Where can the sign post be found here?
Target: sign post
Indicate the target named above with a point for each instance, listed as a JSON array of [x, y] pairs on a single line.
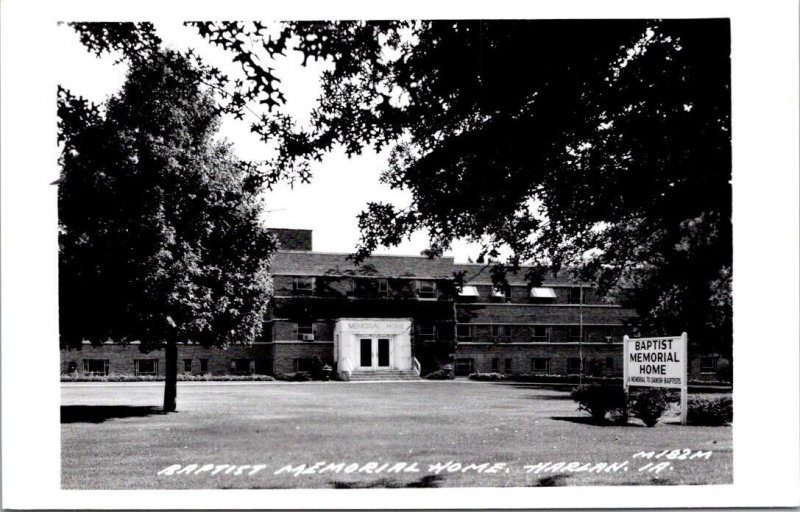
[[685, 386], [660, 362]]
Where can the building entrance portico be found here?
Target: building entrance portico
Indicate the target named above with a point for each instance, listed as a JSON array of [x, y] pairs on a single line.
[[371, 344]]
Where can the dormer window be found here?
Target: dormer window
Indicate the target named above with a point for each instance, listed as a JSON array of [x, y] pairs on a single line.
[[427, 290], [383, 287], [501, 293], [542, 294], [469, 291], [303, 285]]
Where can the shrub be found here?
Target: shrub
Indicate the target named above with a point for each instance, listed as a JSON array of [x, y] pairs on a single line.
[[316, 368], [599, 400], [487, 376], [724, 371], [160, 378], [295, 377], [562, 379], [439, 375], [649, 405], [710, 411]]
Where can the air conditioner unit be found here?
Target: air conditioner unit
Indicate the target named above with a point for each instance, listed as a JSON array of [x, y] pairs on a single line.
[[307, 337]]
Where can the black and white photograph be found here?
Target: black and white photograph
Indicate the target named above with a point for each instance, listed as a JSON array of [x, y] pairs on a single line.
[[404, 252]]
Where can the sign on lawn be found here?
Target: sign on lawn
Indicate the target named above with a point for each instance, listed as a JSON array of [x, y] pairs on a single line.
[[655, 362]]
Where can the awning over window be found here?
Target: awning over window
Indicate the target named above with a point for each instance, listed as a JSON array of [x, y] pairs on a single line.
[[468, 291], [543, 293]]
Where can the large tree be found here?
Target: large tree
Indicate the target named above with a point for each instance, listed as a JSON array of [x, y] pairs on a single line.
[[160, 237], [599, 147]]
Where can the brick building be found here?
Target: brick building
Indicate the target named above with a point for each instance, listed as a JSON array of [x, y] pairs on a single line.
[[400, 316]]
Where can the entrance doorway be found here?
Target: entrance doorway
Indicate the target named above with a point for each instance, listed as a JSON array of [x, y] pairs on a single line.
[[375, 353]]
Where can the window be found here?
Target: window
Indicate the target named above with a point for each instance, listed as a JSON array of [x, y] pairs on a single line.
[[367, 287], [495, 364], [463, 332], [501, 331], [426, 332], [242, 366], [427, 290], [383, 288], [540, 365], [573, 365], [305, 331], [539, 333], [501, 293], [464, 366], [610, 365], [203, 365], [354, 287], [303, 364], [145, 366], [575, 295], [708, 364], [574, 333], [508, 365], [95, 366], [187, 365], [303, 285]]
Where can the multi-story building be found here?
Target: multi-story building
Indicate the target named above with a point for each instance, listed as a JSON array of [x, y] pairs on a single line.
[[400, 316]]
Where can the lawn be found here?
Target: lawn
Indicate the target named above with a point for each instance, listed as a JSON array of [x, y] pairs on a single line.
[[114, 437]]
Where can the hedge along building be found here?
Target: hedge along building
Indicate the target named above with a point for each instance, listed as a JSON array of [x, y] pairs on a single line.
[[400, 317]]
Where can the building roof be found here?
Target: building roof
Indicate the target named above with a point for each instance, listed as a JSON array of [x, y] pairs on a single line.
[[324, 263], [307, 263], [480, 274]]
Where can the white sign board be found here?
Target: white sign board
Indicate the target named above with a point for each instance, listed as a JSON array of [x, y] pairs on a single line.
[[657, 362]]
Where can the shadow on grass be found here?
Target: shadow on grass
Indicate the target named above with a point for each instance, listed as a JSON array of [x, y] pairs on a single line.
[[677, 421], [566, 388], [425, 481], [653, 480], [560, 398], [101, 413], [552, 481], [588, 420], [580, 420]]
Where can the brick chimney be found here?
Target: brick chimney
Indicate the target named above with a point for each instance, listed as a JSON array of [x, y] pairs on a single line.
[[293, 239]]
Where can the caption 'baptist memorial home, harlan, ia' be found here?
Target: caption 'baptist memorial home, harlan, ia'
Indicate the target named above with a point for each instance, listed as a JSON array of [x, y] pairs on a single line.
[[399, 317]]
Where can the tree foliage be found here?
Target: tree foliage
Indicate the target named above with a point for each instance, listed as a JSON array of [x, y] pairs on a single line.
[[160, 237], [600, 147]]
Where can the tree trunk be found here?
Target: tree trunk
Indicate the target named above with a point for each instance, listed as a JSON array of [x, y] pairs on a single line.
[[171, 373]]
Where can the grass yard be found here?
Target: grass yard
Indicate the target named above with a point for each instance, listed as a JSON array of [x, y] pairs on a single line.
[[113, 437]]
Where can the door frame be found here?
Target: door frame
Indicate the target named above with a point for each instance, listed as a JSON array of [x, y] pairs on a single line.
[[375, 350]]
